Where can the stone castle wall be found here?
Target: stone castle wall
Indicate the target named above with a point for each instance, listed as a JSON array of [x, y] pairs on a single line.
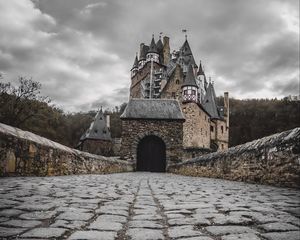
[[26, 154], [271, 160], [135, 130], [196, 128], [98, 147]]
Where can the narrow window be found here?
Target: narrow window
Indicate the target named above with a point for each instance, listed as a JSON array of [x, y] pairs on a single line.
[[177, 81], [211, 128], [222, 129], [173, 95]]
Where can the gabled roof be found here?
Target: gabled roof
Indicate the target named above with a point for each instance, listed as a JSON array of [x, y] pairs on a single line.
[[160, 109], [190, 78], [152, 47], [209, 102], [98, 129]]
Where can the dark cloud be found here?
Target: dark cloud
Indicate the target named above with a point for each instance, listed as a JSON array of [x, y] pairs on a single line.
[[82, 50]]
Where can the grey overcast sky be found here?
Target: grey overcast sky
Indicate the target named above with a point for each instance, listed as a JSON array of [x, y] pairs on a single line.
[[82, 50]]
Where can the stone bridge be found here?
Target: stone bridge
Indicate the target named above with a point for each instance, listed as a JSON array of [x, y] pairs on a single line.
[[140, 205]]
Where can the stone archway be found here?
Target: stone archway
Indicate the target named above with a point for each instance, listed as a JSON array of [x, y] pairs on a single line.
[[151, 154]]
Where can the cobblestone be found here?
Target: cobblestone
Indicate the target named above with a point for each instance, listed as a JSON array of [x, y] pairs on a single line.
[[134, 206]]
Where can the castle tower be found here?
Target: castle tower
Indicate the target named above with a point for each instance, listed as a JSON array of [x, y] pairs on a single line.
[[143, 52], [190, 87], [152, 54]]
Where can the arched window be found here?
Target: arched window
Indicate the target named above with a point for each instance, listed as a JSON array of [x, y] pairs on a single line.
[[177, 81]]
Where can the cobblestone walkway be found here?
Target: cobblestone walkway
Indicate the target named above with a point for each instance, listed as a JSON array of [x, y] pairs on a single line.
[[145, 206]]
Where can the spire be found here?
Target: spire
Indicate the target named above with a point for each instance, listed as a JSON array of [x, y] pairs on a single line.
[[186, 54], [152, 48], [159, 45], [135, 64], [190, 78], [200, 70], [209, 102]]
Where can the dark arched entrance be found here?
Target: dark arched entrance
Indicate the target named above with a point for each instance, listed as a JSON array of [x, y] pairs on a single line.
[[151, 155]]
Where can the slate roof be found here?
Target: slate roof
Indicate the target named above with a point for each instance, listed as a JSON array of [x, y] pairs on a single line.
[[186, 54], [159, 45], [167, 109], [152, 48], [98, 129], [200, 70], [209, 102], [135, 64], [144, 51], [190, 78]]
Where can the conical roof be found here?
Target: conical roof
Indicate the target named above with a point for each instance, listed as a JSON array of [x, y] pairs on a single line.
[[209, 102], [143, 52], [152, 48], [135, 64], [159, 45], [190, 78], [200, 70], [186, 54], [98, 129]]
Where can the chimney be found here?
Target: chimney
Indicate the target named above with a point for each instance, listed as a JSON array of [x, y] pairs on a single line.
[[108, 121], [226, 108], [166, 50]]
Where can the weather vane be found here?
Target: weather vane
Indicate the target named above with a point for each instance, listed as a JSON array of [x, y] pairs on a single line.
[[185, 31]]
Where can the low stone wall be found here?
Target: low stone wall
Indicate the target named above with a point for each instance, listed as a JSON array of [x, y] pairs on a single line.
[[26, 154], [271, 160]]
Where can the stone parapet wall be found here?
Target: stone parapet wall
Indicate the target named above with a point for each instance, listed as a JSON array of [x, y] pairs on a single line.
[[26, 154], [271, 160]]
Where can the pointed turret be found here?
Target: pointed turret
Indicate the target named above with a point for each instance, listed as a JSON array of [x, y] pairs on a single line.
[[186, 56], [134, 68], [190, 78], [152, 54], [135, 63], [190, 87], [159, 45], [210, 103], [200, 70], [152, 47], [98, 129]]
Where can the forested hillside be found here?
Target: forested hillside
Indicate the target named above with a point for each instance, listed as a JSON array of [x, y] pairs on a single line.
[[25, 108]]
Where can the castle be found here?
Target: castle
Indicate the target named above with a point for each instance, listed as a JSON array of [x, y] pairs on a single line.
[[170, 88], [172, 113]]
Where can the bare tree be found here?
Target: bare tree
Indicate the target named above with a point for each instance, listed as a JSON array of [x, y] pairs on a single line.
[[19, 104]]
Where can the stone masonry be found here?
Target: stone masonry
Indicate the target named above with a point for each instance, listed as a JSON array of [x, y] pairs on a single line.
[[170, 131], [24, 153], [145, 206], [271, 160]]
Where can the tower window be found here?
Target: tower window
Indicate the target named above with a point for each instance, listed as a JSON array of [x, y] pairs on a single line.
[[173, 95], [177, 81], [211, 128], [185, 92], [222, 129], [193, 92]]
